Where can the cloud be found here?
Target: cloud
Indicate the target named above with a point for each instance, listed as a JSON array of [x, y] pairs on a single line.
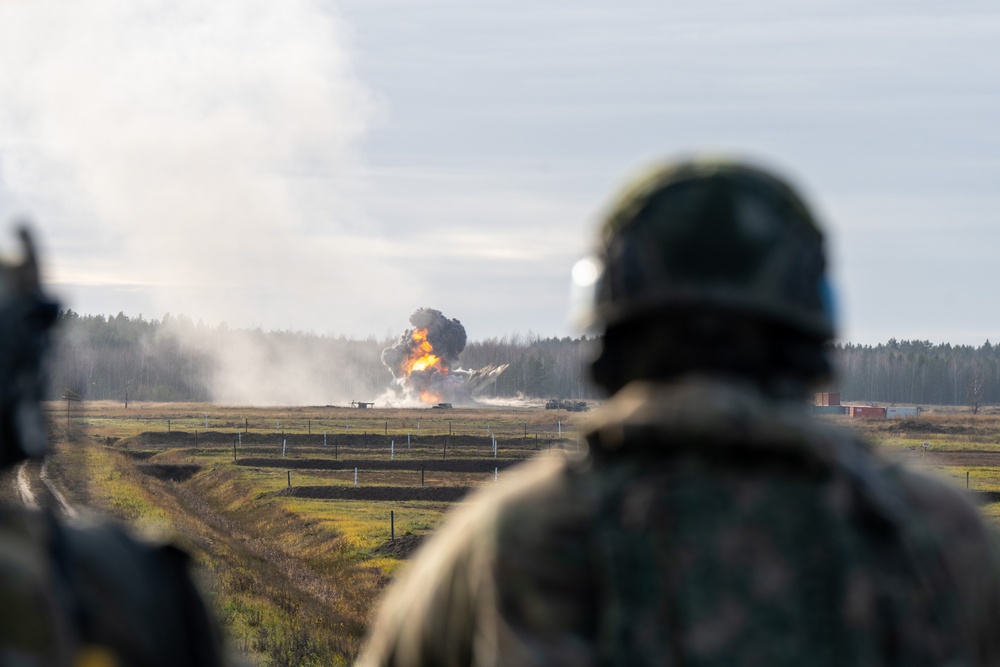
[[203, 149]]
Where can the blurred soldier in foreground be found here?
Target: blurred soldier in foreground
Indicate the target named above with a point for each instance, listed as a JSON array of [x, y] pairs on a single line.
[[712, 521], [83, 595]]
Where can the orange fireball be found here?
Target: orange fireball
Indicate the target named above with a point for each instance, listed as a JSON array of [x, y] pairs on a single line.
[[421, 357]]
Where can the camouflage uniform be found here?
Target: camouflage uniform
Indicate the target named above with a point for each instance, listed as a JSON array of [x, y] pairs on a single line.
[[87, 594], [712, 521], [708, 525]]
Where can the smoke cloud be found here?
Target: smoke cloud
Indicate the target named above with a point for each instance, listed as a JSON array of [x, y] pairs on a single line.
[[196, 158], [423, 359], [425, 365]]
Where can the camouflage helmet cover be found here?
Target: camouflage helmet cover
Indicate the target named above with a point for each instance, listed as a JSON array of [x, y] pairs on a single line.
[[709, 234]]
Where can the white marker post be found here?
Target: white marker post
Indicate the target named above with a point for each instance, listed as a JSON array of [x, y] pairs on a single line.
[[283, 444], [494, 447], [239, 436], [559, 425], [324, 438], [277, 425], [355, 477], [418, 426], [407, 440], [347, 425], [206, 421], [392, 450], [496, 475]]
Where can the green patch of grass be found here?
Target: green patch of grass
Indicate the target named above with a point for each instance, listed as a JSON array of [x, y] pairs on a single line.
[[364, 525]]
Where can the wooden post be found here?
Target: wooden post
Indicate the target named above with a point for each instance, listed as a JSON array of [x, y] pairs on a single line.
[[309, 426], [387, 428], [392, 525], [246, 424], [421, 475], [289, 479], [449, 427], [966, 479], [196, 437]]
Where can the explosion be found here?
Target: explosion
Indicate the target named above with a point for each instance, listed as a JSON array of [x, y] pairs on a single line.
[[424, 361]]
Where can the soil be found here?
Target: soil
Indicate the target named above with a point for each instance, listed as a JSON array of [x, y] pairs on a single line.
[[398, 493], [401, 547], [432, 465], [169, 472]]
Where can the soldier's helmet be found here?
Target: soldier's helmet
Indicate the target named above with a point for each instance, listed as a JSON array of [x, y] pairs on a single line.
[[26, 317], [709, 233]]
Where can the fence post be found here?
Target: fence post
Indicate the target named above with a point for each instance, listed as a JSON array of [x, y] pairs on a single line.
[[392, 525], [289, 479]]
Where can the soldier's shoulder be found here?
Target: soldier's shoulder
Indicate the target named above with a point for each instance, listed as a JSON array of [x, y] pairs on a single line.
[[524, 491], [949, 512]]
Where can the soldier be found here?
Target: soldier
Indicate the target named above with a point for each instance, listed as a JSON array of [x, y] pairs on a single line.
[[78, 595], [712, 522]]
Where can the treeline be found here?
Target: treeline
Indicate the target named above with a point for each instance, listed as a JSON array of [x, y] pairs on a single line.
[[176, 359], [918, 373]]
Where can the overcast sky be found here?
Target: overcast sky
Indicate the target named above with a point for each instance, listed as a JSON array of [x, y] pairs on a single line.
[[331, 166]]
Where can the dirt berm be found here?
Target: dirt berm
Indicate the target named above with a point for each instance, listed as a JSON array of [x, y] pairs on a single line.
[[437, 493], [431, 465]]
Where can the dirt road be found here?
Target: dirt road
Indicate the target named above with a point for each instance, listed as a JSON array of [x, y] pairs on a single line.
[[35, 489], [23, 486]]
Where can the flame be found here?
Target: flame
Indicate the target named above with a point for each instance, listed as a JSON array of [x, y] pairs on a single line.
[[422, 357]]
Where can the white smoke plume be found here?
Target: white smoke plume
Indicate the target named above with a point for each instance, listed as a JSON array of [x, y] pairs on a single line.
[[200, 152]]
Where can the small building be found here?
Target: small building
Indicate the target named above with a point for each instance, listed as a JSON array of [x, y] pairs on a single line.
[[828, 398], [866, 412], [902, 412]]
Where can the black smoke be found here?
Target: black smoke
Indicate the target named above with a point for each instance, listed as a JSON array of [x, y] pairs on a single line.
[[446, 337]]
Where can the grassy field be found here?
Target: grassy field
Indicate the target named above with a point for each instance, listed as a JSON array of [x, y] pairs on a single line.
[[295, 577]]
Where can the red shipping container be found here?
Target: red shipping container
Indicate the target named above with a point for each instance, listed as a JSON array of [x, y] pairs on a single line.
[[828, 398], [867, 412]]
